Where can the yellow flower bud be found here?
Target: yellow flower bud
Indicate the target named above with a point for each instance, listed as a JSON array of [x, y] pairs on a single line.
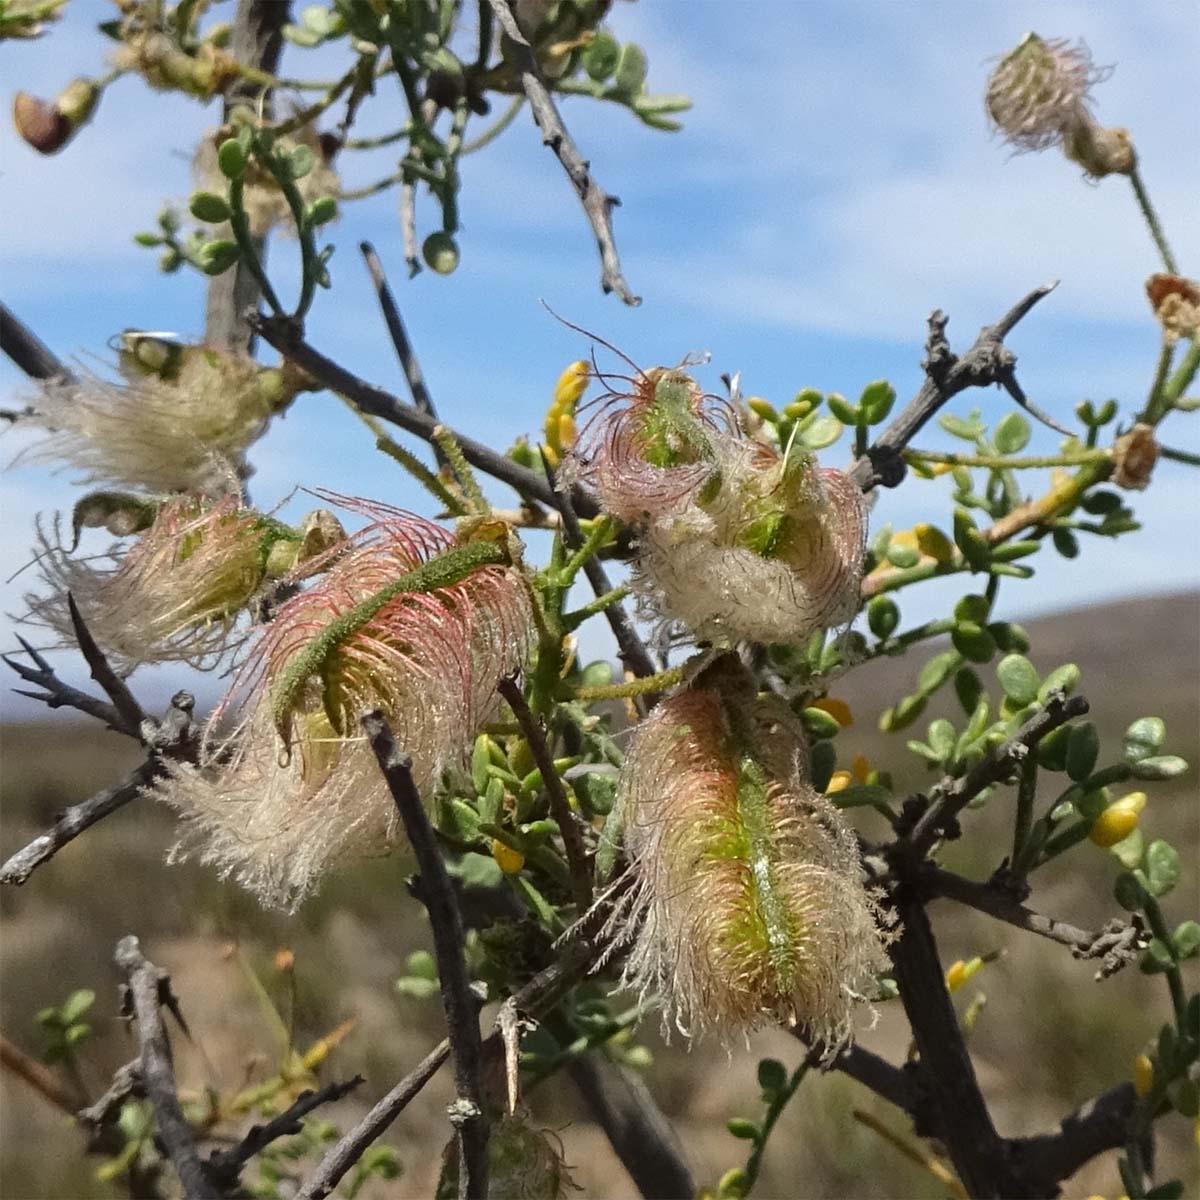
[[933, 542], [510, 861], [1143, 1075], [839, 781], [1118, 820], [839, 710], [959, 972], [860, 768], [762, 408], [572, 383]]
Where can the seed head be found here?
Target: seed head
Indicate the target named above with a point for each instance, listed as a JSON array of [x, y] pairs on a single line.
[[745, 901], [177, 593], [188, 432], [408, 620], [1039, 92]]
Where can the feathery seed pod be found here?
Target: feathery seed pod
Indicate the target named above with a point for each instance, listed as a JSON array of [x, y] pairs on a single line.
[[176, 594], [648, 450], [745, 901], [409, 619], [524, 1163], [183, 430], [772, 554]]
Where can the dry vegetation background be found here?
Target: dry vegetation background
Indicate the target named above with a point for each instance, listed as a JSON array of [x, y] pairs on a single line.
[[1048, 1038]]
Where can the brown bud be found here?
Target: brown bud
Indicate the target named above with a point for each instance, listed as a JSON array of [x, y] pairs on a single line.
[[1176, 303], [40, 123], [1134, 456]]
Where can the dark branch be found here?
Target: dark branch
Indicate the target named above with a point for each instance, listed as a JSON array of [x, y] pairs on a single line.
[[255, 40], [73, 821], [961, 1116], [894, 1084], [1118, 943], [62, 1094], [114, 686], [953, 795], [642, 1137], [988, 361], [399, 335], [560, 806], [225, 1166], [126, 1085], [1101, 1124], [367, 398], [147, 989], [28, 350], [462, 1018], [353, 1144], [597, 204], [56, 694], [169, 738]]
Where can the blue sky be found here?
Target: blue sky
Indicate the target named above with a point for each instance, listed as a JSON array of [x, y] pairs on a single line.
[[834, 183]]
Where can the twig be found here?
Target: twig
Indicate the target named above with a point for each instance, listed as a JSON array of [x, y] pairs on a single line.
[[1101, 1124], [953, 795], [1118, 943], [255, 41], [148, 988], [39, 1077], [56, 694], [28, 350], [597, 204], [73, 821], [635, 1126], [169, 738], [894, 1084], [374, 400], [987, 361], [963, 1123], [353, 1144], [114, 686], [560, 806], [397, 332], [126, 1084], [914, 1153], [224, 1166], [467, 1113]]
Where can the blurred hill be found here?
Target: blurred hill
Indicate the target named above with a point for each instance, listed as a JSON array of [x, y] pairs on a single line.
[[1048, 1038]]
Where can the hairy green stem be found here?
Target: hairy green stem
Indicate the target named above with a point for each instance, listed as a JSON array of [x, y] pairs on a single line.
[[1156, 229], [245, 242]]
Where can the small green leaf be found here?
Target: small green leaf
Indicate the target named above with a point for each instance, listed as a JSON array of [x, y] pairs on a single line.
[[1184, 1095], [1100, 504], [1018, 678], [1129, 892], [1157, 958], [1012, 433], [416, 989], [76, 1004], [1083, 748], [941, 738], [217, 257], [841, 408], [902, 556], [1130, 851], [1144, 738], [1186, 939], [1162, 867], [937, 670], [883, 616], [973, 608], [1011, 638], [231, 158], [631, 69], [209, 207], [876, 401], [898, 717], [1061, 679], [748, 1131], [862, 795], [321, 211], [300, 161], [969, 540], [819, 723], [1052, 749], [1066, 543], [1168, 766], [823, 432], [969, 430], [968, 687], [973, 642], [601, 55]]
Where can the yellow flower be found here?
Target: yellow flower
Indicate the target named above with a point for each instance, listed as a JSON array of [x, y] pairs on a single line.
[[860, 768], [959, 972], [839, 710], [1118, 820], [1143, 1075], [859, 773], [560, 416], [510, 861], [839, 781]]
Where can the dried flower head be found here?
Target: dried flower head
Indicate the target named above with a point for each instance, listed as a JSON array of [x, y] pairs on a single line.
[[187, 431], [48, 125], [266, 205], [1039, 91], [771, 550], [164, 65], [1134, 456], [1176, 304], [409, 620], [647, 450], [745, 903], [524, 1163], [176, 594]]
